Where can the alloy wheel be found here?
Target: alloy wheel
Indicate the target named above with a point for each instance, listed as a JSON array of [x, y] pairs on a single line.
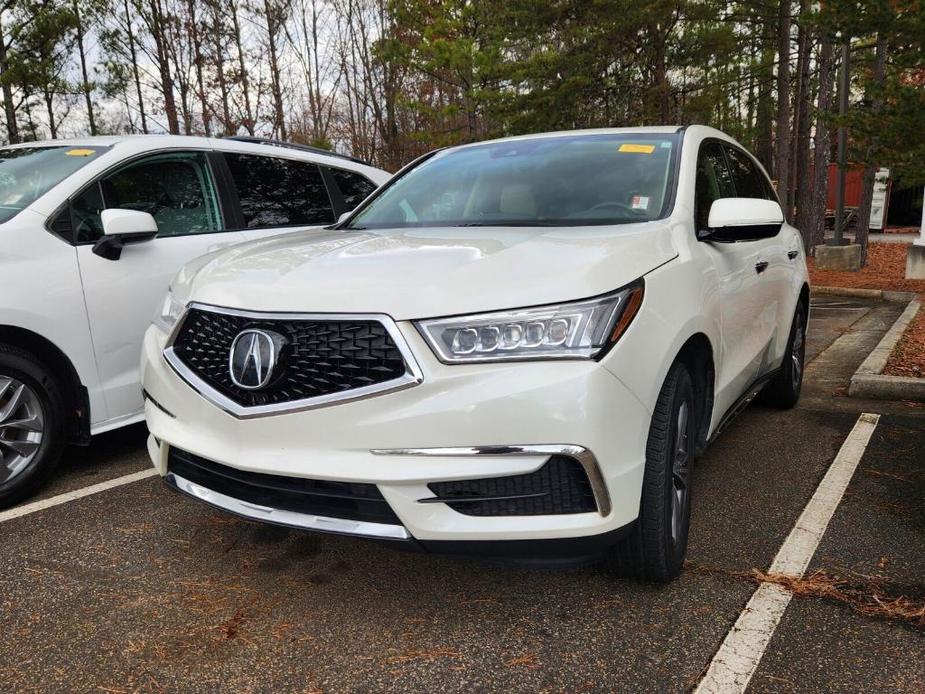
[[22, 426], [680, 472]]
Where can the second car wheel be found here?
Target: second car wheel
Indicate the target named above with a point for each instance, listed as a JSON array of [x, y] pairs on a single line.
[[655, 548], [32, 431]]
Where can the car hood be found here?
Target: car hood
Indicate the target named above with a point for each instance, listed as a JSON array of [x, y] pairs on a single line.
[[429, 272]]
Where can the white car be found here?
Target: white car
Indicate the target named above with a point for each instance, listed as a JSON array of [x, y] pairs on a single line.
[[91, 231], [513, 349]]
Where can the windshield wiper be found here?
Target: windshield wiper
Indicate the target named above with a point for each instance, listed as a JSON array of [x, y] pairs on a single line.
[[506, 224]]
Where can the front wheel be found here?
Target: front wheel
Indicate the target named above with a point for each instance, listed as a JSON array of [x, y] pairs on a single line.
[[655, 549], [32, 424]]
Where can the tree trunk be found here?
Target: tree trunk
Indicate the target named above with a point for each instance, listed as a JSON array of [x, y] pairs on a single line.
[[245, 82], [764, 144], [217, 31], [197, 58], [85, 85], [782, 156], [870, 169], [135, 74], [9, 109], [804, 124], [49, 97], [271, 12], [822, 144], [159, 34]]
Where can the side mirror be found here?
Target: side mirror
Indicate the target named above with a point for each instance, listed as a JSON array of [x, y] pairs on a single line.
[[344, 216], [123, 227], [742, 219]]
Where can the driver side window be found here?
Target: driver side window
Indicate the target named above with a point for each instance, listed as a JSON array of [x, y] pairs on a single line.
[[713, 182], [176, 188]]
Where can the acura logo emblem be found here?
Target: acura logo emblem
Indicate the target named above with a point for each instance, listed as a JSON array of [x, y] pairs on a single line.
[[253, 358]]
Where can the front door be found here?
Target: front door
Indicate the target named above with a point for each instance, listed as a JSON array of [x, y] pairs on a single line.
[[178, 189], [746, 300]]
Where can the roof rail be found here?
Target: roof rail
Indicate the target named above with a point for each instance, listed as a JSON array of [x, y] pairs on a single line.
[[253, 139]]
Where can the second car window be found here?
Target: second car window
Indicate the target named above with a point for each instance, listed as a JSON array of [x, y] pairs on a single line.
[[175, 188], [279, 192]]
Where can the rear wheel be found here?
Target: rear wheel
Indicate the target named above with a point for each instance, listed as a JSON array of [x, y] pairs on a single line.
[[655, 549], [32, 431], [784, 389]]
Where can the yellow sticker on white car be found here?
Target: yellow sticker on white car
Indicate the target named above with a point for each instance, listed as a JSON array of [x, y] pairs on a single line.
[[80, 152], [637, 149]]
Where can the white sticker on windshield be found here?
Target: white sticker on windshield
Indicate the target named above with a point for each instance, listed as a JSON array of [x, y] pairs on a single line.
[[640, 202]]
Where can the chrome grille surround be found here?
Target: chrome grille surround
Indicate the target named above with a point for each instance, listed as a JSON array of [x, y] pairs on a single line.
[[411, 377]]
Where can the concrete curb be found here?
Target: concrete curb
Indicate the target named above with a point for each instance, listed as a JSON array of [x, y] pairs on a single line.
[[869, 382], [884, 294]]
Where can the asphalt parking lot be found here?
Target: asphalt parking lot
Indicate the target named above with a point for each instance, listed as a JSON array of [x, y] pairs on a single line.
[[138, 589]]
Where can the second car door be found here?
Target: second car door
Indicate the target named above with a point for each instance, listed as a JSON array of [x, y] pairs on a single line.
[[178, 189]]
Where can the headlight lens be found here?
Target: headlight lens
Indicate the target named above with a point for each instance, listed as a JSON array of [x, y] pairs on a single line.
[[574, 330], [168, 313]]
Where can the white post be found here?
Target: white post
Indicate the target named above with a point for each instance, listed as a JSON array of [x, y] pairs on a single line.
[[920, 241]]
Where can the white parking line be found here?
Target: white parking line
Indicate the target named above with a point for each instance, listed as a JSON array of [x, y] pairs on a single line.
[[737, 658], [36, 506]]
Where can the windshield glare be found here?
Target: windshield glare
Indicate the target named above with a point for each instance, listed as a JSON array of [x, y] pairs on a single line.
[[575, 180], [27, 173]]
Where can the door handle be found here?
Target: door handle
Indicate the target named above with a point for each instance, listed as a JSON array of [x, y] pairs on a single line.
[[792, 254], [761, 266]]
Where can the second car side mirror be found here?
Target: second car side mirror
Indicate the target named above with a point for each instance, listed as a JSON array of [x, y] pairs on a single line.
[[742, 219], [121, 228], [344, 216]]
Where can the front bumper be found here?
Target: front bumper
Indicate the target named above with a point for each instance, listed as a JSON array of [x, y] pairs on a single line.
[[463, 422]]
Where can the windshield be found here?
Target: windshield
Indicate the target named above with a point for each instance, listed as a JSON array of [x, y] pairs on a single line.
[[573, 180], [26, 173]]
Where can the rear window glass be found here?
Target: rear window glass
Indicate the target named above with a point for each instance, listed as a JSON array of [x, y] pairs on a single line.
[[27, 173], [279, 192]]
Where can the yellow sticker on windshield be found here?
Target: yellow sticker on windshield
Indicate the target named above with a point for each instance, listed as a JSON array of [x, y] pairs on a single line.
[[80, 152], [638, 149]]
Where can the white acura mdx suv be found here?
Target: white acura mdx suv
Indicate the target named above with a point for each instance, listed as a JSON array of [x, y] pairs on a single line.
[[513, 349], [91, 231]]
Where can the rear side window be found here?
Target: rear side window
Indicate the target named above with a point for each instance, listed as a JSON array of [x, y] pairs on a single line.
[[353, 187], [279, 192], [714, 181], [749, 181]]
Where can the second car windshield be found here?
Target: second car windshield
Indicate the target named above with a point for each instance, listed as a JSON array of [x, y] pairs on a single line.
[[574, 180], [29, 172]]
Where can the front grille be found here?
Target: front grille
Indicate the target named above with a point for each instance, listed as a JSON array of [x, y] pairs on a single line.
[[560, 486], [317, 357], [348, 500]]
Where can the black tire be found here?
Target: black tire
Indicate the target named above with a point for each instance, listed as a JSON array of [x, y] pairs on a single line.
[[25, 370], [783, 391], [655, 548]]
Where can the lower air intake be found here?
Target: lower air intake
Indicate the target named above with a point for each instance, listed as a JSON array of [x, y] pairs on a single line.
[[560, 486]]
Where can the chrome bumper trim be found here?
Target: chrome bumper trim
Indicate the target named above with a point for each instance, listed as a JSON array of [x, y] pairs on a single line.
[[292, 519], [585, 457]]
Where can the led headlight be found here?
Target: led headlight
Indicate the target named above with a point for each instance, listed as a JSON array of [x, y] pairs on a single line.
[[168, 313], [574, 330]]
